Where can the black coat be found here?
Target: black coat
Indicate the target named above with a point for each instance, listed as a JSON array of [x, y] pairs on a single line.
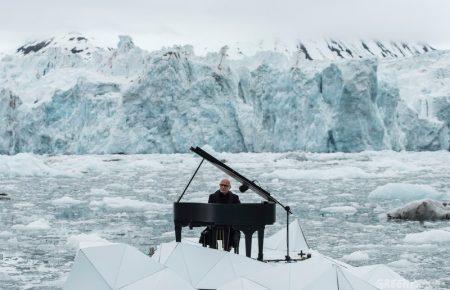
[[218, 197]]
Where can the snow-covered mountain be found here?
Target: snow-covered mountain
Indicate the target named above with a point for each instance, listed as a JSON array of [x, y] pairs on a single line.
[[338, 49], [68, 95], [72, 42]]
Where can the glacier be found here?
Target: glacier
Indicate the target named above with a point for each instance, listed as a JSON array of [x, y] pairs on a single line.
[[66, 95]]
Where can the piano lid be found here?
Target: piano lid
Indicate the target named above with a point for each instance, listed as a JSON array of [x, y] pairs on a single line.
[[236, 175]]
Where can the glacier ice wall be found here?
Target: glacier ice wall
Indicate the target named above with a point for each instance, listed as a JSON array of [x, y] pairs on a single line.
[[127, 100]]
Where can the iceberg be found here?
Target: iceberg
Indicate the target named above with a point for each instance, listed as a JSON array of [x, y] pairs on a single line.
[[421, 210]]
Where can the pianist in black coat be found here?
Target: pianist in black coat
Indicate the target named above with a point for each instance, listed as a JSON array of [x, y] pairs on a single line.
[[223, 195], [220, 197]]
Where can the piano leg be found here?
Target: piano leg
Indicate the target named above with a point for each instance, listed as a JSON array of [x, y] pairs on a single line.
[[178, 233], [226, 238], [260, 243], [213, 243], [248, 243]]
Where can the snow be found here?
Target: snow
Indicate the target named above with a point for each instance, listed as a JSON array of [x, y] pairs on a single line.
[[127, 100], [345, 49], [406, 192], [431, 236]]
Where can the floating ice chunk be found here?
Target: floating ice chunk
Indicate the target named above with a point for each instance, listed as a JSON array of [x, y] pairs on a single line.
[[66, 201], [24, 204], [298, 156], [357, 256], [146, 163], [101, 191], [393, 167], [40, 224], [425, 209], [331, 173], [347, 210], [86, 240], [431, 236], [406, 192], [5, 234], [128, 204], [403, 263], [25, 164]]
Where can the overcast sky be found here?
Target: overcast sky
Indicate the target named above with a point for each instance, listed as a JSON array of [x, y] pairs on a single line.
[[212, 23]]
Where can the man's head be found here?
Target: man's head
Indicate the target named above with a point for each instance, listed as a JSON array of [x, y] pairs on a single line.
[[224, 186]]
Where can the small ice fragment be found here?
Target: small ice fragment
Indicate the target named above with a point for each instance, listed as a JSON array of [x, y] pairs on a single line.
[[66, 201], [357, 256], [40, 224], [347, 210]]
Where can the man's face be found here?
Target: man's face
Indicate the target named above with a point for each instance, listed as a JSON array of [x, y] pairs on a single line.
[[224, 186]]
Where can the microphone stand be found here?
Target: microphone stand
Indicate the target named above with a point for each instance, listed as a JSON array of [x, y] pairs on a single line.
[[288, 212]]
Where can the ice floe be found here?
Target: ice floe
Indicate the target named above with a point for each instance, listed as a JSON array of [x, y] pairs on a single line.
[[86, 240], [347, 210], [25, 164], [66, 201], [121, 203], [40, 224], [330, 173], [431, 236], [357, 256], [406, 192]]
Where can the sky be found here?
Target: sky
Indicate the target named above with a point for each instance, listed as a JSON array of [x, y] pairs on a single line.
[[210, 24]]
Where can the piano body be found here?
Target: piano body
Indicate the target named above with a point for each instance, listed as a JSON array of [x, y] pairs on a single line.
[[246, 217]]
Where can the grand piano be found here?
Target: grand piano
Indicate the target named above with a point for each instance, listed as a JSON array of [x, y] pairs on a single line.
[[246, 217]]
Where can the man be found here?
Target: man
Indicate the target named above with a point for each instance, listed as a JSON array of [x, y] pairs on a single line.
[[225, 196]]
